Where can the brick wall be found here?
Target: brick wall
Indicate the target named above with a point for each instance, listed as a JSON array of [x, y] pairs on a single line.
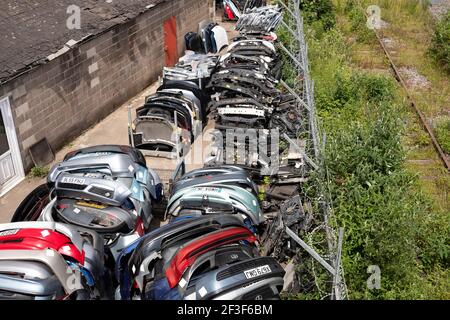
[[60, 99]]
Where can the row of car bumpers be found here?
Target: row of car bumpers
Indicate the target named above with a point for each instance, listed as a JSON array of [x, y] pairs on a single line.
[[209, 248], [167, 263], [99, 200]]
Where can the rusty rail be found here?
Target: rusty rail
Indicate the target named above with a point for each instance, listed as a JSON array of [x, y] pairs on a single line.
[[413, 104]]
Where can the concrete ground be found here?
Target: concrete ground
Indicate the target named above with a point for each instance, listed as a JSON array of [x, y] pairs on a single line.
[[113, 130]]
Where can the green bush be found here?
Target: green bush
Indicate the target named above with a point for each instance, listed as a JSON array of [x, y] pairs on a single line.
[[39, 172], [388, 221], [358, 22], [321, 11], [440, 44], [350, 89], [443, 135], [350, 5]]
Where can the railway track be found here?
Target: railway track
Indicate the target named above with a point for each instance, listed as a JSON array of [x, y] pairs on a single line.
[[413, 104]]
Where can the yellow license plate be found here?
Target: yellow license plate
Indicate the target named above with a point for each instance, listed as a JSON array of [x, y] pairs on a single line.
[[91, 205]]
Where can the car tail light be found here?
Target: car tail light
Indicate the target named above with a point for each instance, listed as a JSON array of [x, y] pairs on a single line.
[[41, 239], [140, 227], [187, 255], [229, 13]]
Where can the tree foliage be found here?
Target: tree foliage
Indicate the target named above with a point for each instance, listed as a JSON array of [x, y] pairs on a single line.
[[319, 11]]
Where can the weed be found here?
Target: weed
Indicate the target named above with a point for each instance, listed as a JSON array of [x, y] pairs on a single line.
[[443, 134], [358, 22], [388, 221], [39, 172], [440, 46], [319, 11]]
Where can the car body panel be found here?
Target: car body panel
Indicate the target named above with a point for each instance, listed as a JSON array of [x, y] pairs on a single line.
[[48, 257], [37, 281], [100, 190], [241, 199], [153, 242], [221, 37], [48, 216], [231, 279], [79, 244], [134, 153], [187, 254], [115, 165], [240, 179]]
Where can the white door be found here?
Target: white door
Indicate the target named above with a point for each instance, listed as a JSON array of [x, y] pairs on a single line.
[[11, 168]]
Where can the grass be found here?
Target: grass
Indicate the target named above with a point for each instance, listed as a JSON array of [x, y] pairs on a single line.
[[39, 172], [363, 55], [440, 43], [443, 134], [375, 152], [410, 27]]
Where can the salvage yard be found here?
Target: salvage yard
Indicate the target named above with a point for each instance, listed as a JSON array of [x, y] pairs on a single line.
[[111, 130], [206, 164], [225, 150]]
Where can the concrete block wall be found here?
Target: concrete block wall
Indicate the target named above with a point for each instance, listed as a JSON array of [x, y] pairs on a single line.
[[62, 98]]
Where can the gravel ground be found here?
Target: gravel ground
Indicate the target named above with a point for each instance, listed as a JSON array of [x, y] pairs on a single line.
[[413, 79], [389, 43], [439, 8]]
